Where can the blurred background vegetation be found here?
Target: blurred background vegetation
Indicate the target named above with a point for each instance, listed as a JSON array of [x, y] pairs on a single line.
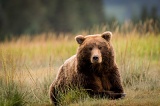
[[19, 17]]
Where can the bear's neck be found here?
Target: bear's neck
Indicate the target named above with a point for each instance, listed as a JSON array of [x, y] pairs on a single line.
[[86, 67]]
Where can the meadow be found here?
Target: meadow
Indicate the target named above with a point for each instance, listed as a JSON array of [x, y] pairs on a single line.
[[28, 65]]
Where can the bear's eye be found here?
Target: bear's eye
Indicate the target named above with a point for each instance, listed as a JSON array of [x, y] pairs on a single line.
[[100, 47], [90, 48]]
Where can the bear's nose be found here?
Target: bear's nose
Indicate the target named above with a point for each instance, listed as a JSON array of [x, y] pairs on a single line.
[[95, 58]]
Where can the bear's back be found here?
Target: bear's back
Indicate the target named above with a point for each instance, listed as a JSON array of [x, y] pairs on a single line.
[[68, 70]]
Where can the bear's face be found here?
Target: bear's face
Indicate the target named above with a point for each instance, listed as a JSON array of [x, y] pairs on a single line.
[[94, 48]]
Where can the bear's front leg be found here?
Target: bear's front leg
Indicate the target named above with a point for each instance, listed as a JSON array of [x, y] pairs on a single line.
[[112, 84], [116, 85], [113, 95], [106, 94]]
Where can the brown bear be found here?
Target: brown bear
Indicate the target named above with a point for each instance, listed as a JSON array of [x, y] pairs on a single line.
[[93, 68]]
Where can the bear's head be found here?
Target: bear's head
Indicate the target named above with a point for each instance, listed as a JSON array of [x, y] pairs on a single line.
[[95, 49]]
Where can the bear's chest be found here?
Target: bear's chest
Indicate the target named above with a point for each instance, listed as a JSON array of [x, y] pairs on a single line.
[[98, 83], [102, 82]]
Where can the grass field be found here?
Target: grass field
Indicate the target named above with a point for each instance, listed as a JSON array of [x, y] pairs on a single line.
[[28, 65]]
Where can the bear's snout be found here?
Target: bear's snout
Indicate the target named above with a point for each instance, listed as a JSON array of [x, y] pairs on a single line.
[[96, 56]]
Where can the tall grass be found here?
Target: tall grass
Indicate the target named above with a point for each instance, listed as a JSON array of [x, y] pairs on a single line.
[[11, 94], [28, 65]]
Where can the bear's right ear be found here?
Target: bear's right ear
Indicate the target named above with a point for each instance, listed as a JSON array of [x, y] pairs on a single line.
[[79, 39]]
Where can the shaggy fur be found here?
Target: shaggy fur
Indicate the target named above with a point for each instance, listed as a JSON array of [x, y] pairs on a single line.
[[92, 68]]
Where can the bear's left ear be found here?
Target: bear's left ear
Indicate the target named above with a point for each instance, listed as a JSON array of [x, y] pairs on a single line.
[[107, 35], [79, 39]]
